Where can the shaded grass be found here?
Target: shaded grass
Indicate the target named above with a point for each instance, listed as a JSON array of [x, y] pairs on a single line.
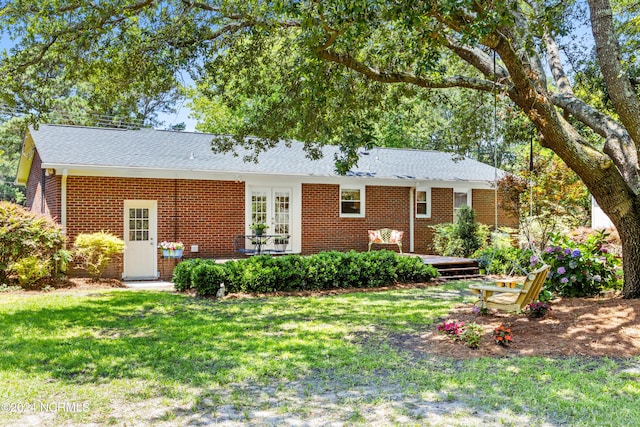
[[116, 348]]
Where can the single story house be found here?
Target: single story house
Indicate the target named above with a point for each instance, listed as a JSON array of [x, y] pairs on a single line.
[[148, 186]]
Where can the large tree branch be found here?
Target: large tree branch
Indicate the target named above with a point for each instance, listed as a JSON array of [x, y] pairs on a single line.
[[478, 59], [618, 144], [402, 77], [555, 64], [619, 87]]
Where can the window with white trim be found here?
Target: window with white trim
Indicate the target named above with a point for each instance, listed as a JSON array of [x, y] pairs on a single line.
[[460, 198], [352, 201], [423, 202]]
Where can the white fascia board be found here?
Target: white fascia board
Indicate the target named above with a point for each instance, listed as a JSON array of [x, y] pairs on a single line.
[[207, 175]]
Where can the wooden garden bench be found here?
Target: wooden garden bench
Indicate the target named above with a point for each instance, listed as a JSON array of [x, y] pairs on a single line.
[[512, 299], [386, 236]]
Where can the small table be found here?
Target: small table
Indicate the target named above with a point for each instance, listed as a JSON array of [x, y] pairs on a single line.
[[253, 244], [510, 282]]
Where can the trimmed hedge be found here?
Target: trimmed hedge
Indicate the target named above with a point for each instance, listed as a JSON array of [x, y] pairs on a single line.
[[326, 270]]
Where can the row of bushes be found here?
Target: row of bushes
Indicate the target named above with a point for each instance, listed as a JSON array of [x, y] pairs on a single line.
[[326, 270], [32, 248]]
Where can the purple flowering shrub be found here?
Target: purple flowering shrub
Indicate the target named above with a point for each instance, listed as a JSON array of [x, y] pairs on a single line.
[[580, 269]]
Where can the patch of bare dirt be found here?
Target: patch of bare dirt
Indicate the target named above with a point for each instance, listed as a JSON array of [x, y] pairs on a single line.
[[598, 327]]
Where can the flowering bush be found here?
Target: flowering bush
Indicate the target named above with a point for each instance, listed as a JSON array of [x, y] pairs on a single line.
[[172, 246], [580, 269], [470, 334], [537, 309], [502, 335], [453, 330]]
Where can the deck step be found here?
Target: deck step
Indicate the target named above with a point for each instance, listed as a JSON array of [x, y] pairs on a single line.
[[462, 277], [458, 271]]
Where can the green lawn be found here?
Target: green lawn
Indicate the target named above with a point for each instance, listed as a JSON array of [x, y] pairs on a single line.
[[153, 357]]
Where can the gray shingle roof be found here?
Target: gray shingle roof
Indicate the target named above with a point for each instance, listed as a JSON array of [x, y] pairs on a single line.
[[156, 149]]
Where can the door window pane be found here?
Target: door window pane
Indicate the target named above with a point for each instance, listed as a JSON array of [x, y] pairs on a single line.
[[258, 207], [139, 227]]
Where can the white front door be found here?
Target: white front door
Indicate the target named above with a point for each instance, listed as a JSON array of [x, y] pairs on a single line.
[[272, 206], [140, 237]]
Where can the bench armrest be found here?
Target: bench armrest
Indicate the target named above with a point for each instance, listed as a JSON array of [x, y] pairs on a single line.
[[495, 289]]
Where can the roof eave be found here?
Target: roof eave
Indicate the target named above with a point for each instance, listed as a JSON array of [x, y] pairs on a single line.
[[26, 160]]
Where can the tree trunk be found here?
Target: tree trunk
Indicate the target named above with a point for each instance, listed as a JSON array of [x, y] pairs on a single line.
[[629, 231]]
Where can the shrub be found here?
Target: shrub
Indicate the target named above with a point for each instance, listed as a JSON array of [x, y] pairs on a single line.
[[24, 234], [95, 250], [461, 238], [580, 269], [412, 269], [326, 270], [207, 278], [30, 270], [503, 260], [182, 274]]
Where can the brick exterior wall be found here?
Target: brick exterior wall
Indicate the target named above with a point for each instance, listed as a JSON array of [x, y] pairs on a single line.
[[386, 207], [204, 213], [441, 211], [323, 229], [484, 205], [50, 204]]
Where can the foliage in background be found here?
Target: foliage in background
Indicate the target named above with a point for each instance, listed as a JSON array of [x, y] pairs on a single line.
[[461, 238], [94, 251], [11, 135], [326, 270], [495, 260], [580, 269], [611, 243], [560, 200], [30, 246]]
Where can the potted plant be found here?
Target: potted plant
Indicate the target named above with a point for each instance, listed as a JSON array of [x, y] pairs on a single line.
[[171, 249], [258, 228]]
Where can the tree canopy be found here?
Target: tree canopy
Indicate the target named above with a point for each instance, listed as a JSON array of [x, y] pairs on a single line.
[[333, 71]]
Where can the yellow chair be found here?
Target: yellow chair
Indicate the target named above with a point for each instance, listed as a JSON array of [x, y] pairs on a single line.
[[512, 299]]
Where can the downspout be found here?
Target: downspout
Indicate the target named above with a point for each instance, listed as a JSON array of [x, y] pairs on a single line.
[[175, 209], [43, 177], [412, 192], [63, 201]]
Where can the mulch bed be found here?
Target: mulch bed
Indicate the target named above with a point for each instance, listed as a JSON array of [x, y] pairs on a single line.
[[598, 327]]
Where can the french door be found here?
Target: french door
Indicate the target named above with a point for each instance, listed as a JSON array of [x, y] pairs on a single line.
[[272, 206]]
